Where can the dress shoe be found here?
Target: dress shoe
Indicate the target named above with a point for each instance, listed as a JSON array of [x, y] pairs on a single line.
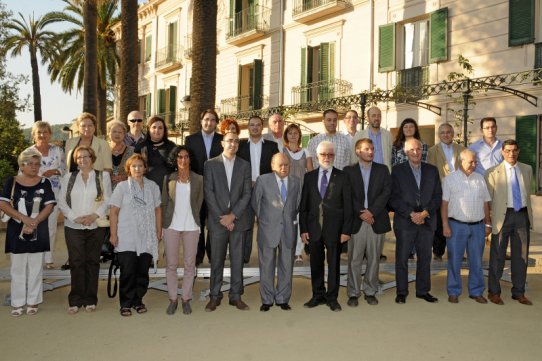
[[172, 307], [352, 302], [436, 257], [239, 304], [495, 298], [313, 302], [428, 297], [401, 299], [284, 306], [213, 304], [371, 300], [453, 299], [334, 306], [265, 307], [479, 299], [523, 300], [383, 258], [186, 308]]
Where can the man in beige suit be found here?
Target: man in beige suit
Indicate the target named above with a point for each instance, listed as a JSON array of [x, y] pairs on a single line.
[[509, 185], [381, 139], [445, 156]]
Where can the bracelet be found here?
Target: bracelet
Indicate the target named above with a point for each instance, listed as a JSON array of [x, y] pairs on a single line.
[[489, 226]]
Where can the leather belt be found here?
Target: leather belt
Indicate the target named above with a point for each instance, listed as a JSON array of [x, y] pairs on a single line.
[[467, 223]]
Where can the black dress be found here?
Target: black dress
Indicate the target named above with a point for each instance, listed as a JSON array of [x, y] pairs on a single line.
[[28, 243]]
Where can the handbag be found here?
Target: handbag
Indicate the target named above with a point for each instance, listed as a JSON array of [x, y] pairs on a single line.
[[104, 220], [113, 268], [3, 216]]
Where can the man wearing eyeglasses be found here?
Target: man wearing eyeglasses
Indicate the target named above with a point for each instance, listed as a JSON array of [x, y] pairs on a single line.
[[135, 135], [487, 149], [350, 122]]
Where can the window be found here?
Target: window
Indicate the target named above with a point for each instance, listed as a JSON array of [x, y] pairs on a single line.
[[148, 48], [167, 100], [144, 103], [415, 44], [172, 41], [250, 86], [521, 19], [528, 136], [317, 72]]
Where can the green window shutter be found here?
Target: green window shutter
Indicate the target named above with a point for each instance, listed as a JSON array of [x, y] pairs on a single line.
[[239, 87], [172, 106], [305, 140], [161, 101], [148, 48], [172, 41], [521, 18], [148, 105], [258, 84], [526, 137], [438, 48], [386, 48], [324, 72], [303, 82]]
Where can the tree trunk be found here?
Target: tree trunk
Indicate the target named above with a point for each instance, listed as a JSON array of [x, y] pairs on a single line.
[[36, 93], [203, 83], [101, 110], [90, 71], [128, 59]]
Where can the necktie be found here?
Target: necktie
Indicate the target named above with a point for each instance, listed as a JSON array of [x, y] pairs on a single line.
[[283, 191], [323, 184], [516, 190]]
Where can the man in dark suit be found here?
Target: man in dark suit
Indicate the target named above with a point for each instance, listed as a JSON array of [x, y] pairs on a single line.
[[370, 185], [227, 189], [204, 145], [258, 152], [275, 201], [416, 196], [325, 223]]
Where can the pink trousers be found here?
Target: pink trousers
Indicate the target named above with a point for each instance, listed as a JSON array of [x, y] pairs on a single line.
[[172, 241]]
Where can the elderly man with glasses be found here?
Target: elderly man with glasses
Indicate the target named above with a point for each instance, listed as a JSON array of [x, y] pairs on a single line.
[[135, 135]]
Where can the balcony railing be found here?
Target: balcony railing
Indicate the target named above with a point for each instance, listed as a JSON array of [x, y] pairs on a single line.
[[247, 24], [321, 90], [243, 103], [305, 10], [410, 82], [188, 46], [169, 57]]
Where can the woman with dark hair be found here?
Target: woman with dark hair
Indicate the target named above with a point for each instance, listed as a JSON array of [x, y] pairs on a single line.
[[119, 150], [407, 130], [182, 197], [156, 150], [229, 125]]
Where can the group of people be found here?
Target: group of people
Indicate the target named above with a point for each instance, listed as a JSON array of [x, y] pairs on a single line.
[[335, 196]]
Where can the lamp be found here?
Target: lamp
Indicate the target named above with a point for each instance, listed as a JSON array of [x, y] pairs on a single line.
[[186, 101], [68, 130]]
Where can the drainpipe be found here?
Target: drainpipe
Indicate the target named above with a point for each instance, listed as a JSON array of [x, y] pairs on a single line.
[[281, 62]]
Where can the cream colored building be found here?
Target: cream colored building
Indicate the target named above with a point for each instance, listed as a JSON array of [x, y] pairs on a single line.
[[273, 53]]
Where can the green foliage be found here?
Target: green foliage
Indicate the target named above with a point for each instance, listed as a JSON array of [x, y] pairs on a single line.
[[456, 108]]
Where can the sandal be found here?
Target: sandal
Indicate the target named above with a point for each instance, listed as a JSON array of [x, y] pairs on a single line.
[[31, 310], [125, 312], [140, 308], [16, 312], [73, 310], [50, 266]]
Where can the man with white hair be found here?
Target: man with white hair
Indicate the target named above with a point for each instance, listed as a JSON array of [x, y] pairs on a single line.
[[275, 130]]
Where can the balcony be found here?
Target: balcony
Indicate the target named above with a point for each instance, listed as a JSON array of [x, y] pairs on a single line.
[[321, 90], [245, 103], [248, 24], [168, 58], [188, 46], [307, 10], [410, 81]]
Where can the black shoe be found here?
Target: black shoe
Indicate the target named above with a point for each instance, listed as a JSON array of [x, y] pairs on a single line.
[[315, 301], [65, 266], [383, 258], [411, 256], [401, 299], [428, 297], [352, 302], [199, 261], [371, 300], [265, 307], [334, 306], [436, 257], [284, 306]]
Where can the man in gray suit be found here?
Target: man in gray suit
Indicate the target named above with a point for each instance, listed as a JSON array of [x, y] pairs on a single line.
[[228, 198], [275, 201]]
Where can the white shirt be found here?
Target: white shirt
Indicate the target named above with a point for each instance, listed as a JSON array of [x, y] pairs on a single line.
[[228, 165], [255, 157], [183, 220], [465, 196], [448, 151], [510, 199]]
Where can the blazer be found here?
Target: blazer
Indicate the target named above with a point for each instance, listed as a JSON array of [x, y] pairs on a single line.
[[276, 220], [436, 157], [386, 145], [169, 189], [378, 195], [498, 190], [197, 146], [269, 148], [221, 200], [406, 198], [104, 159], [334, 211]]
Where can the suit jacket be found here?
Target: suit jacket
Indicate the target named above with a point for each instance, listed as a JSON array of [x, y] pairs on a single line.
[[378, 195], [169, 191], [386, 145], [436, 157], [268, 149], [221, 200], [197, 146], [334, 211], [497, 184], [276, 220], [406, 197]]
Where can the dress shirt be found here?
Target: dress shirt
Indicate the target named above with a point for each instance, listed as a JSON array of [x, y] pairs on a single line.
[[348, 135], [448, 150], [255, 157], [279, 182], [183, 220], [510, 199], [417, 171], [342, 149], [465, 196], [377, 143], [366, 175], [321, 173], [228, 165], [208, 141], [486, 156]]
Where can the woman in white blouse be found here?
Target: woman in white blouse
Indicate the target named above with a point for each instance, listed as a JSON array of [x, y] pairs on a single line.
[[84, 197], [182, 196], [136, 226]]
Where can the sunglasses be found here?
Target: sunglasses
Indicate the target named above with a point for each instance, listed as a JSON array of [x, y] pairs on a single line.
[[135, 120]]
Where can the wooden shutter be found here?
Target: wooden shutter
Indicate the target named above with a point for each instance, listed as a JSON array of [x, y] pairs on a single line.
[[327, 63], [386, 48], [172, 107], [148, 105], [303, 82], [257, 88], [239, 88], [521, 18], [161, 101], [526, 138], [148, 48], [438, 48], [172, 41]]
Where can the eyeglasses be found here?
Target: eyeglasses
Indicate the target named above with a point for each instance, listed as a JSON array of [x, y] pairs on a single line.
[[135, 120], [326, 155]]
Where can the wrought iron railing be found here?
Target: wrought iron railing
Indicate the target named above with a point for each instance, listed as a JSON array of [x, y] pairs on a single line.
[[300, 6], [254, 17], [411, 80], [168, 55], [245, 103], [321, 90]]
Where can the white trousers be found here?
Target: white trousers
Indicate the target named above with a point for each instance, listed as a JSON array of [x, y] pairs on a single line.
[[26, 279], [52, 222]]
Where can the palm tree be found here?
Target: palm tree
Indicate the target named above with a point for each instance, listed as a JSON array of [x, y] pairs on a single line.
[[203, 83], [129, 55], [90, 87], [32, 34], [69, 64]]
